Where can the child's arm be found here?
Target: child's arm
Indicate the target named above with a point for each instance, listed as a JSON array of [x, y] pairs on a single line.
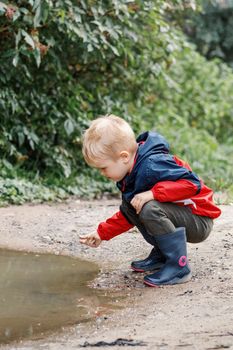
[[165, 191], [170, 191], [113, 226], [92, 239]]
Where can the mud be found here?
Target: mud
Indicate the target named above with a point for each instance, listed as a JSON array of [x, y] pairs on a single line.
[[195, 315]]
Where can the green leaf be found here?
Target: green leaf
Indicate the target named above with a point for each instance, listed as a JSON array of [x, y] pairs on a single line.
[[28, 39], [69, 126], [16, 15], [21, 138], [37, 56], [7, 164], [31, 143], [15, 60], [36, 4], [18, 37], [2, 7], [90, 48], [24, 10], [115, 51], [38, 15]]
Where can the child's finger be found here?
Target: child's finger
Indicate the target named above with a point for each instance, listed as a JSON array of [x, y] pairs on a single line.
[[88, 243], [94, 242], [83, 236], [84, 240], [91, 244]]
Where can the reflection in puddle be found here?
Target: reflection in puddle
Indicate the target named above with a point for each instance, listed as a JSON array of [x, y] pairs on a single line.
[[41, 292]]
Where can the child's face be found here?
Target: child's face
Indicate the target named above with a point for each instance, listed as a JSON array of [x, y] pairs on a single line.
[[115, 170]]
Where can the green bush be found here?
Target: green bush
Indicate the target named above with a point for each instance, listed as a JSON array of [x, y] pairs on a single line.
[[198, 91], [63, 63], [193, 107], [211, 29]]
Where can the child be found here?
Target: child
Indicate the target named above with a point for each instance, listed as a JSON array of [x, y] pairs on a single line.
[[161, 196]]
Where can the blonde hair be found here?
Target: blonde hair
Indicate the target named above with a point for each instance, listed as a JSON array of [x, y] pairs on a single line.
[[106, 138]]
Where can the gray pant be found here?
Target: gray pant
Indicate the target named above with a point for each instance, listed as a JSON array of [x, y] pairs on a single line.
[[158, 218]]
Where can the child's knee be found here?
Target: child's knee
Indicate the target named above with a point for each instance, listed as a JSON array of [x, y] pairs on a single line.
[[197, 237], [150, 210]]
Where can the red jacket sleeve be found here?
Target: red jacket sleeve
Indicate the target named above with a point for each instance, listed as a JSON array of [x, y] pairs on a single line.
[[170, 191], [113, 226]]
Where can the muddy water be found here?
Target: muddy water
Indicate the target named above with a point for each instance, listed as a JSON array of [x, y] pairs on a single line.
[[40, 292]]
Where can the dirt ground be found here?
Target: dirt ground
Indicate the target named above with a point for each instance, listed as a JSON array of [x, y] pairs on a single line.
[[195, 315]]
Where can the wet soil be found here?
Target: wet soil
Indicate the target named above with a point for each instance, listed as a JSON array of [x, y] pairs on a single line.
[[195, 315]]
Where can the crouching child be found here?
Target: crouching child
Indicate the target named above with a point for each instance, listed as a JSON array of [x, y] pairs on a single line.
[[161, 195]]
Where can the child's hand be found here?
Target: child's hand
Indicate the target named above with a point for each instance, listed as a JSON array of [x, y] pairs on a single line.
[[140, 199], [92, 240]]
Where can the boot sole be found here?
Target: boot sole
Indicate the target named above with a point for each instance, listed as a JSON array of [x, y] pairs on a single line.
[[151, 269], [184, 279], [137, 270]]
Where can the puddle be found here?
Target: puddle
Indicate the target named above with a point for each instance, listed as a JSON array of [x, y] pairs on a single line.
[[42, 292]]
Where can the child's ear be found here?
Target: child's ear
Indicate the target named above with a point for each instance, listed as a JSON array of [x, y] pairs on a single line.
[[125, 156]]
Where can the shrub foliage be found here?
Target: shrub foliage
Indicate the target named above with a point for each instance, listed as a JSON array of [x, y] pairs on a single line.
[[62, 63], [211, 29]]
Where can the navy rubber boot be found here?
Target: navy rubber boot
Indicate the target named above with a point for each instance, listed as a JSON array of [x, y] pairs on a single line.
[[154, 261], [176, 268]]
